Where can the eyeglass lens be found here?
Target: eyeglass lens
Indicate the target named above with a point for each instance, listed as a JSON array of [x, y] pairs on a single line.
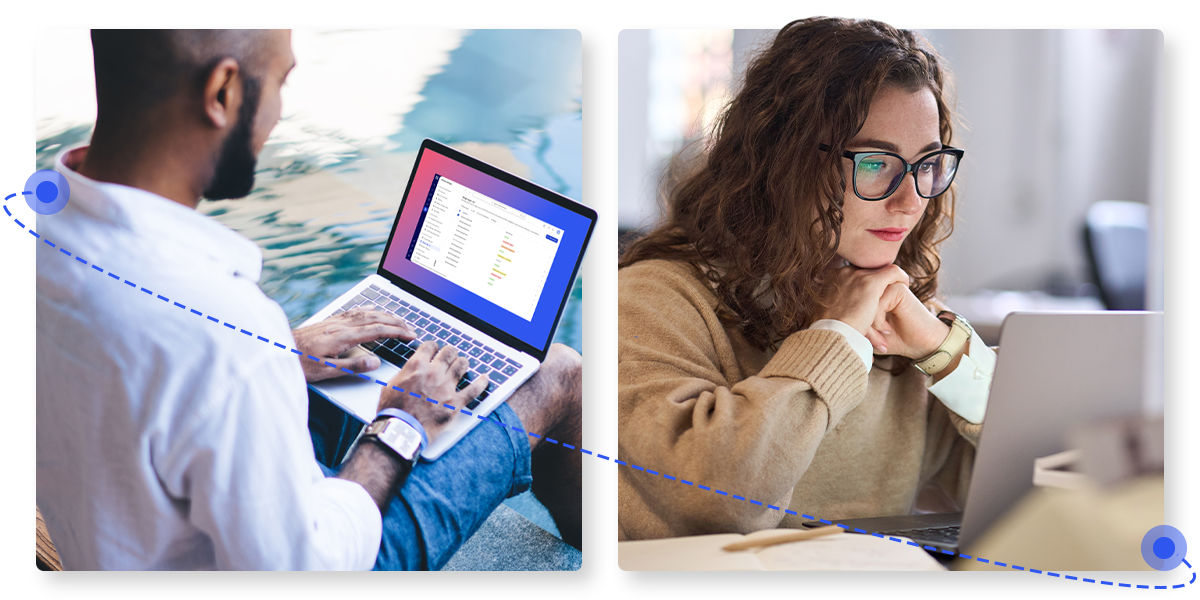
[[878, 175]]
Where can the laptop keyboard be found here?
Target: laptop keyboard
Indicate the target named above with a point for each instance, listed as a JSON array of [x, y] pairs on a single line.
[[482, 358], [947, 534]]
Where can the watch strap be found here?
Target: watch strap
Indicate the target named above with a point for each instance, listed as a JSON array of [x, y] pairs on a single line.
[[956, 340]]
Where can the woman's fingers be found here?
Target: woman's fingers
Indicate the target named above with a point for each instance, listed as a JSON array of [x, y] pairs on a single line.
[[878, 341]]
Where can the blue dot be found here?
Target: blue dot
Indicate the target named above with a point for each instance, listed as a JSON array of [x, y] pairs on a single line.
[[47, 191], [1164, 547]]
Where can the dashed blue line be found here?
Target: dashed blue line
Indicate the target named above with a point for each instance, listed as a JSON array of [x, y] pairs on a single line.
[[618, 462]]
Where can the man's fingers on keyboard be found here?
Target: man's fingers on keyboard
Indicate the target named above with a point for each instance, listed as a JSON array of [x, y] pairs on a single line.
[[475, 388], [365, 316], [459, 367], [423, 354], [446, 355], [374, 331]]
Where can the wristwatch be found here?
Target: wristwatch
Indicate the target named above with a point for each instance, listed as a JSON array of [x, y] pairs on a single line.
[[960, 334], [397, 435]]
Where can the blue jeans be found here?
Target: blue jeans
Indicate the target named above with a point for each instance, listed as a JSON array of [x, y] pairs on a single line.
[[443, 502]]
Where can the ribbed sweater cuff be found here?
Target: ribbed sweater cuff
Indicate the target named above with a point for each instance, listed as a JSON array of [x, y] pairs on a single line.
[[826, 361]]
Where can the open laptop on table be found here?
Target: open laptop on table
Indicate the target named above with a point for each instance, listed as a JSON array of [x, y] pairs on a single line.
[[479, 259], [1053, 371]]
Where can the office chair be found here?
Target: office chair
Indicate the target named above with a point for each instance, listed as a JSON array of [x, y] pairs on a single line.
[[1115, 239]]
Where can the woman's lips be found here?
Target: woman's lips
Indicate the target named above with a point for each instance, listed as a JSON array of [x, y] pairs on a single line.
[[889, 234]]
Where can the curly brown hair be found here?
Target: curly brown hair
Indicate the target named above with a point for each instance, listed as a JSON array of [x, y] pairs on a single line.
[[762, 198]]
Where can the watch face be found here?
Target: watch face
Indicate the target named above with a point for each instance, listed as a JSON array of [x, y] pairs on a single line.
[[397, 435]]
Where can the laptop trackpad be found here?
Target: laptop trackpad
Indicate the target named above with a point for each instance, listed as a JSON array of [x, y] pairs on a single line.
[[355, 395]]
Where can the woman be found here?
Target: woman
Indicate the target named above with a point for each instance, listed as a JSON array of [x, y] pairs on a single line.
[[780, 341]]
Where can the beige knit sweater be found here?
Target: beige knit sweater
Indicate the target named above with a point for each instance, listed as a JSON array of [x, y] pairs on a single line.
[[804, 427]]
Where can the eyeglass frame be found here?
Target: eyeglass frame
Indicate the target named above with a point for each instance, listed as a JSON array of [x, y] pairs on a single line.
[[909, 168]]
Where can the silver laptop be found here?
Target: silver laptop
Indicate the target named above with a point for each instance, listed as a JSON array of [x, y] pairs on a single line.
[[1053, 371], [478, 259]]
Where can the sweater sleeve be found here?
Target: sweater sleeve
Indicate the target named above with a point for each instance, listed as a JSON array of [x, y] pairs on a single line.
[[686, 410]]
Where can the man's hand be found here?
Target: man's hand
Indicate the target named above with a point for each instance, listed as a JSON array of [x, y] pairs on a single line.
[[331, 339], [434, 374]]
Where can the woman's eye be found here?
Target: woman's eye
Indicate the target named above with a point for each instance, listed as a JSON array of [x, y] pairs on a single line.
[[871, 166]]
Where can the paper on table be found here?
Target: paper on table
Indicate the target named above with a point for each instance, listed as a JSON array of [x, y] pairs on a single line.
[[843, 552]]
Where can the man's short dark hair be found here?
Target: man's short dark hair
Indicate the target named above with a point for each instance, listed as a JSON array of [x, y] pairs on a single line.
[[138, 69]]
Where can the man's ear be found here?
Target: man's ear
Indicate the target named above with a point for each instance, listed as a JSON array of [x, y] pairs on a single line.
[[222, 93]]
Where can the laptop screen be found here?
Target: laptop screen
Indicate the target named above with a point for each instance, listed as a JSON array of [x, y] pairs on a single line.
[[488, 247]]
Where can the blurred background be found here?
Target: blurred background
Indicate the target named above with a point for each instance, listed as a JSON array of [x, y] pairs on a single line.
[[1059, 193], [331, 176]]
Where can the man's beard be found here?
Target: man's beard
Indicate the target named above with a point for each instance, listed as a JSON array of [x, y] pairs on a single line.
[[233, 176]]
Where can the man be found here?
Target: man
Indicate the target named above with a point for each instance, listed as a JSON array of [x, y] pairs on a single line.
[[170, 438]]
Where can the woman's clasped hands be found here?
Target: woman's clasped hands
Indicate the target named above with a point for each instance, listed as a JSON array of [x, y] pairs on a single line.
[[879, 304]]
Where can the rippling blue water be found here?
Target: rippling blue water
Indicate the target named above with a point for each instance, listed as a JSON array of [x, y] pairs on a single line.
[[331, 176]]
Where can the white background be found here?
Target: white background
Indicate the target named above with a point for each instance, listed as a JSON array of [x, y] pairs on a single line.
[[600, 22]]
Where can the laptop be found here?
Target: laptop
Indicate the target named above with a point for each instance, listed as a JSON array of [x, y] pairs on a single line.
[[478, 259], [1053, 371]]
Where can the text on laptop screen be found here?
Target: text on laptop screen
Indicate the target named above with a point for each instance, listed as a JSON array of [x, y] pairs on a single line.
[[498, 252], [485, 246]]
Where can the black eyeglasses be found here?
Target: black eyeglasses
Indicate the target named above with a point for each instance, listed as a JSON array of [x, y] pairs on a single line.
[[878, 174]]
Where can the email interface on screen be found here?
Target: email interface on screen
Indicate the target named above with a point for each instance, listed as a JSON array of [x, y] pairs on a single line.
[[499, 252], [485, 246]]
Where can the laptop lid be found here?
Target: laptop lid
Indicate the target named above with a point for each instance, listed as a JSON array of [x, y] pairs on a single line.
[[1054, 371], [486, 246]]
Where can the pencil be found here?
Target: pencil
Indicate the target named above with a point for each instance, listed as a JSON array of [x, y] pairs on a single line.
[[785, 538]]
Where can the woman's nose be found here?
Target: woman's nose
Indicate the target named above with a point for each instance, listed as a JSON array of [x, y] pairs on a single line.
[[905, 199]]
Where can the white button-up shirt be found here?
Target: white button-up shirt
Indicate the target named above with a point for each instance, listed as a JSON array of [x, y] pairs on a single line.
[[166, 440]]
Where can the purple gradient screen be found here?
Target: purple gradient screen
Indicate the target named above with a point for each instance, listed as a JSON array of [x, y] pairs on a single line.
[[535, 332]]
